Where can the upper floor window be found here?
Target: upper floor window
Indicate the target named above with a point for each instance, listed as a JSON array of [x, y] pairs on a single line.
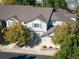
[[0, 23], [36, 25]]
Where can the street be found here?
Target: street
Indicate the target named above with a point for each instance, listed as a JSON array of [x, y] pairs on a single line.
[[6, 55]]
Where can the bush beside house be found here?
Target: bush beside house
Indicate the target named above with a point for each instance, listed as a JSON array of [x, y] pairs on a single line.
[[17, 33]]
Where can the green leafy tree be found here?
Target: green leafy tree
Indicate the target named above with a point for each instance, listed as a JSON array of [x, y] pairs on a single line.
[[64, 4], [55, 4], [8, 2], [58, 3], [17, 33], [49, 3], [46, 3], [70, 46], [37, 5], [61, 4], [61, 32], [22, 2], [33, 2], [77, 21], [1, 33], [2, 41]]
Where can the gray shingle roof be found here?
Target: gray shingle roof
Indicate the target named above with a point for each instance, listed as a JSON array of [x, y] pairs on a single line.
[[51, 30], [62, 15], [24, 13], [41, 17], [28, 13]]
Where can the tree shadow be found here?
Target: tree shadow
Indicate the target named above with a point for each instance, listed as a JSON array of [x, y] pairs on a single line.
[[36, 40], [3, 42], [23, 57], [2, 39]]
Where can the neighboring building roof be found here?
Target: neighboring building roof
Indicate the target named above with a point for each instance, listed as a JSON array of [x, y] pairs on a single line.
[[63, 15], [50, 31]]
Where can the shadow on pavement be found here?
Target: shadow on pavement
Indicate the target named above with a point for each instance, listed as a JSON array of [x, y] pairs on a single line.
[[23, 57]]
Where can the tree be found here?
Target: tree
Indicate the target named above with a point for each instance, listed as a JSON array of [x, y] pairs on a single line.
[[2, 41], [17, 33], [58, 3], [21, 2], [49, 3], [61, 4], [69, 48], [1, 35], [46, 3], [61, 32], [33, 2], [8, 2], [55, 4], [77, 21], [64, 4], [77, 26]]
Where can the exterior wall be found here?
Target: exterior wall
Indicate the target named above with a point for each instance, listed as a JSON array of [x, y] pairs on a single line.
[[74, 19], [55, 23], [46, 41], [10, 22], [39, 30]]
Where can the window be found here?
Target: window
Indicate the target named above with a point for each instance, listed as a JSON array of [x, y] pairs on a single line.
[[53, 22], [0, 23], [40, 25], [36, 25]]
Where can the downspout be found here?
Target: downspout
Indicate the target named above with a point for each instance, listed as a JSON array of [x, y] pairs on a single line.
[[53, 10]]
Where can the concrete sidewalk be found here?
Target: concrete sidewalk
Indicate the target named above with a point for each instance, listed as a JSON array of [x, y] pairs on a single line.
[[28, 51]]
